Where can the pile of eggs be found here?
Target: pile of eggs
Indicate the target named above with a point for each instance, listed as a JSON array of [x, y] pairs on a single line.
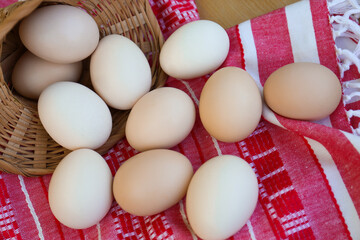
[[222, 194]]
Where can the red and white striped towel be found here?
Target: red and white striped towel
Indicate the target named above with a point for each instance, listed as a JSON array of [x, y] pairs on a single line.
[[308, 173]]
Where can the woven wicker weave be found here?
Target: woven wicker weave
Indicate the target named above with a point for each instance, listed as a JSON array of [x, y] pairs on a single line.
[[25, 147]]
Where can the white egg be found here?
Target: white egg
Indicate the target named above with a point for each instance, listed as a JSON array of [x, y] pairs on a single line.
[[221, 197], [120, 72], [59, 33], [31, 74], [195, 49], [80, 190], [74, 116]]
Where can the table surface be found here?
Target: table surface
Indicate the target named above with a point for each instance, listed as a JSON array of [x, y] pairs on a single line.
[[231, 12]]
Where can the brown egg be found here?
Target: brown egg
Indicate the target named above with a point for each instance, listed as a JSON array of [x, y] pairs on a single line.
[[152, 181], [304, 91], [230, 105], [160, 119], [31, 74]]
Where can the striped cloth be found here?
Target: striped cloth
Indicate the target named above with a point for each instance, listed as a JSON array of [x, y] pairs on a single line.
[[308, 172]]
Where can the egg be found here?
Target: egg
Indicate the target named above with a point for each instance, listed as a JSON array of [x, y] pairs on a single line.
[[74, 116], [230, 105], [195, 49], [80, 190], [162, 118], [303, 91], [152, 181], [31, 74], [59, 33], [221, 197], [120, 72]]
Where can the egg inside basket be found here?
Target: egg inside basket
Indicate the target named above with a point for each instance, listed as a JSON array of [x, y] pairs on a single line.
[[25, 147]]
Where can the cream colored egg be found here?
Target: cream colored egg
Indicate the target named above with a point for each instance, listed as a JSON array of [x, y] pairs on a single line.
[[59, 33], [304, 91], [120, 72], [80, 190], [230, 105], [160, 119], [31, 74], [74, 116], [195, 49], [152, 181], [221, 197]]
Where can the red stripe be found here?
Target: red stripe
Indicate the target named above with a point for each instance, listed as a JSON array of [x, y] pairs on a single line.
[[308, 182], [267, 163], [339, 118], [236, 54], [323, 34], [327, 55], [272, 51], [81, 233], [261, 200], [241, 47], [24, 219], [345, 156], [316, 160], [351, 74], [6, 206], [198, 147], [354, 121]]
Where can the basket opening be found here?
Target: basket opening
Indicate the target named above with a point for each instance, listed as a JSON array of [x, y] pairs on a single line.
[[25, 147]]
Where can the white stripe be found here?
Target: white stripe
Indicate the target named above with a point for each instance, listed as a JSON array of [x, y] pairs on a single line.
[[355, 140], [250, 54], [291, 216], [31, 207], [251, 230], [338, 187], [325, 121], [301, 221], [192, 93], [301, 32], [217, 147], [302, 38], [262, 154], [270, 116], [98, 230], [185, 220], [281, 192], [251, 65], [271, 174], [297, 229]]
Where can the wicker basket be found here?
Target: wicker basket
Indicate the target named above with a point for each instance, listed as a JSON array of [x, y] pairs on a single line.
[[25, 147]]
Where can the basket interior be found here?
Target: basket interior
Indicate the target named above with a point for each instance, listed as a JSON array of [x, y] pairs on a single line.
[[25, 147]]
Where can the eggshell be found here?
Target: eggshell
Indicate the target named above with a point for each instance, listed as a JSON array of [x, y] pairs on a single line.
[[230, 105], [160, 119], [221, 197], [120, 72], [60, 33], [80, 190], [304, 91], [31, 74], [152, 181], [195, 49], [74, 116]]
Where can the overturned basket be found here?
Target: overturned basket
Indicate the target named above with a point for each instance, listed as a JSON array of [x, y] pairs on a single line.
[[25, 147]]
